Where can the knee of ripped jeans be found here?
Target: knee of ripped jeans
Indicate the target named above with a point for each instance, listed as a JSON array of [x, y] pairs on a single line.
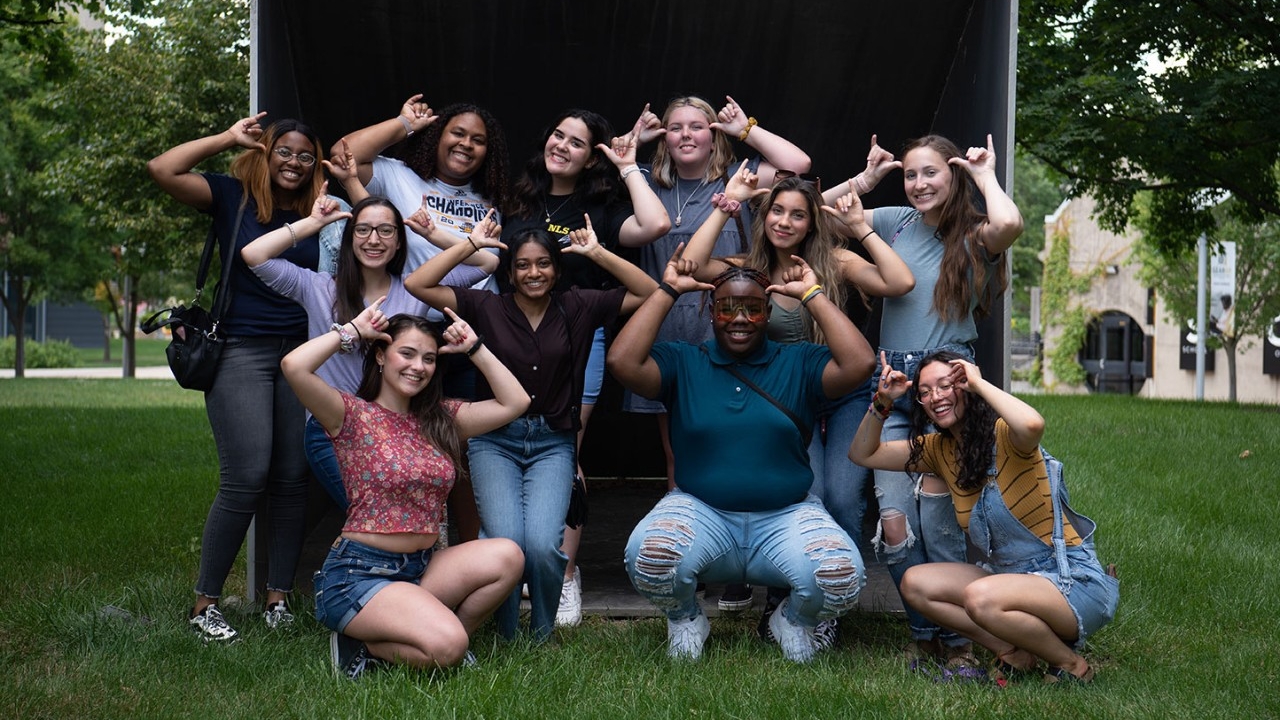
[[891, 545], [838, 575], [661, 552]]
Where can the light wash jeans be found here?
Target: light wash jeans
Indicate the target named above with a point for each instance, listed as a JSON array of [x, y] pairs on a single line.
[[257, 425], [522, 474], [837, 481], [684, 541], [933, 533], [324, 462]]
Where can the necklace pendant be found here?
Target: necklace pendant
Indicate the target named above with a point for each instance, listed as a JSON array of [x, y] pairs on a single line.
[[678, 219], [548, 219]]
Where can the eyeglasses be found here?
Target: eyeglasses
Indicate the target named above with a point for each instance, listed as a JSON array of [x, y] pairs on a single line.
[[386, 231], [814, 180], [727, 309], [285, 154], [931, 394]]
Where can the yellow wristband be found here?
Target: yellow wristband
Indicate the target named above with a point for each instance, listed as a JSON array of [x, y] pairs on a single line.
[[751, 122], [808, 294]]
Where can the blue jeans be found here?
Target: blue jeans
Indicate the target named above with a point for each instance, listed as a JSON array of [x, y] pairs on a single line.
[[933, 533], [837, 481], [593, 380], [683, 541], [354, 572], [324, 462], [257, 425], [522, 474]]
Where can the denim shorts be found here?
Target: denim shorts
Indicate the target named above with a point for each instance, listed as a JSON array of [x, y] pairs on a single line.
[[354, 572]]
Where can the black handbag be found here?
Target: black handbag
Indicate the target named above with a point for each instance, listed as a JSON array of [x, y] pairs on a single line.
[[196, 344]]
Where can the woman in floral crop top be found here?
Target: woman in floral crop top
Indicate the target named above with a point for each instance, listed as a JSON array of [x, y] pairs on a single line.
[[382, 590]]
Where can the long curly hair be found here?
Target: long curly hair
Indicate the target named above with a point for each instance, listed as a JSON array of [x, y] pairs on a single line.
[[434, 421], [722, 157], [422, 153], [963, 265], [252, 169], [348, 280], [975, 433], [818, 248], [598, 183]]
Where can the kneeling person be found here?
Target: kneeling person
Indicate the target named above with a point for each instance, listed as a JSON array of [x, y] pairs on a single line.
[[741, 510]]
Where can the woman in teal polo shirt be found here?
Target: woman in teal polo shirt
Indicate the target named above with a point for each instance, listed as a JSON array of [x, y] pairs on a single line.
[[742, 511]]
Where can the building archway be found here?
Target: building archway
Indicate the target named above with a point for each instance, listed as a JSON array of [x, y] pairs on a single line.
[[1116, 355]]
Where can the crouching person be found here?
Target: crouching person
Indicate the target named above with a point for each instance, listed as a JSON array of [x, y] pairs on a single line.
[[742, 410]]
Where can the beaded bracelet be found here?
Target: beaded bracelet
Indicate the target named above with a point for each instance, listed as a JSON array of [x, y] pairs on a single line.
[[751, 122], [292, 234], [880, 411]]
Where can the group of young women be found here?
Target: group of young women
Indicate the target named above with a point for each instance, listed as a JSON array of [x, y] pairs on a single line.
[[528, 278]]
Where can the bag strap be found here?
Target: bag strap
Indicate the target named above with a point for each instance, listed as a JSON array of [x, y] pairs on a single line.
[[806, 433], [222, 292]]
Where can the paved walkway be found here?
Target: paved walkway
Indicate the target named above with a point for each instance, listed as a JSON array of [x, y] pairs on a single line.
[[153, 372]]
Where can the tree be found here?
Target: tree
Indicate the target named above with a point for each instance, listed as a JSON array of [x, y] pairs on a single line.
[[1179, 99], [180, 73], [1256, 302], [37, 28], [43, 241], [1038, 191]]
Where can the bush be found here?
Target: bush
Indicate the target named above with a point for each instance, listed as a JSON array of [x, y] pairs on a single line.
[[50, 354]]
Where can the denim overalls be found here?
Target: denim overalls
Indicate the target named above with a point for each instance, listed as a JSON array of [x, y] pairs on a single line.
[[1007, 546]]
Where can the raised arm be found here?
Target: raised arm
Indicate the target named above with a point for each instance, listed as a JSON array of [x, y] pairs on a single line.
[[342, 167], [324, 211], [639, 285], [424, 283], [740, 187], [629, 360], [852, 360], [423, 224], [1004, 220], [775, 151], [172, 169], [1026, 425], [880, 162], [367, 143], [867, 449], [649, 220], [509, 399], [300, 366], [887, 275]]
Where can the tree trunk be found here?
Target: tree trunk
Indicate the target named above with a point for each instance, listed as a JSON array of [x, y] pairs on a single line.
[[16, 305], [128, 338], [1229, 345], [106, 339]]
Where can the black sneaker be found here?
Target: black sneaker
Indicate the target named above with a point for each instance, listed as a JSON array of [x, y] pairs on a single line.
[[350, 656], [736, 598], [772, 600]]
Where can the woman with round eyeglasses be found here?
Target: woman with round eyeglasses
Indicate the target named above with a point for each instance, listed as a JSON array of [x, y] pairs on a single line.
[[1038, 589], [955, 247], [371, 258], [257, 421]]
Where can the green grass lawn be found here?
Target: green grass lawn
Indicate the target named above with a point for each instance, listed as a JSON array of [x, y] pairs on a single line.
[[150, 352], [107, 483]]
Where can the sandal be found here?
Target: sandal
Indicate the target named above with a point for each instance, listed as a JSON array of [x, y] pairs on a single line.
[[962, 667], [1057, 675], [1003, 672], [922, 657]]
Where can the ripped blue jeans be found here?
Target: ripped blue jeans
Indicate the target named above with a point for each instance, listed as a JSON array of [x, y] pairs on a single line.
[[932, 532], [684, 541]]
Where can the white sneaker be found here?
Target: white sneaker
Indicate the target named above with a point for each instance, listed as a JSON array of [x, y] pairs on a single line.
[[686, 637], [797, 641], [212, 626], [277, 615], [570, 610]]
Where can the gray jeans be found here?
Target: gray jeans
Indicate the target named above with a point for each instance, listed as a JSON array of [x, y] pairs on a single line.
[[257, 425]]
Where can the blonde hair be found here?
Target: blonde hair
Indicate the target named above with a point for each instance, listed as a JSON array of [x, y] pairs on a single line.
[[252, 169], [722, 159]]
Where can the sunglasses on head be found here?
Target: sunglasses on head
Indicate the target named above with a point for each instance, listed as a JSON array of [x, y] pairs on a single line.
[[727, 308], [814, 180]]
